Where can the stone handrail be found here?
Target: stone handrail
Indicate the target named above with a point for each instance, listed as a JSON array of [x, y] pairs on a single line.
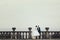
[[27, 34]]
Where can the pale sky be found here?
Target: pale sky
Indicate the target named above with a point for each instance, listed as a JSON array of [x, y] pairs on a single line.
[[28, 13]]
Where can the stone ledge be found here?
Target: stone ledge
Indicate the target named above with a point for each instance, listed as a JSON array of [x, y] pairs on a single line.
[[29, 39]]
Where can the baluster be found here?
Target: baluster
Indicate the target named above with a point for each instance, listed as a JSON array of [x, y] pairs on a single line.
[[6, 35], [9, 35], [23, 35], [41, 35], [44, 35], [26, 35], [47, 35], [0, 35], [17, 35], [20, 35], [13, 36], [3, 35], [57, 34], [50, 35], [30, 36]]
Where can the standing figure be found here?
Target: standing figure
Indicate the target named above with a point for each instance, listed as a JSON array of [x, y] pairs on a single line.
[[35, 33], [39, 30]]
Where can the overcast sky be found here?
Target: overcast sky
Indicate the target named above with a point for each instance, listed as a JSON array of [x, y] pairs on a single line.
[[28, 13]]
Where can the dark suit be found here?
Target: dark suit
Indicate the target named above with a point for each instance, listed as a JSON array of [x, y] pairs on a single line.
[[38, 28]]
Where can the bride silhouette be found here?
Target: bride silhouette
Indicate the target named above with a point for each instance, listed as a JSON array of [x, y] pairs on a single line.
[[35, 33]]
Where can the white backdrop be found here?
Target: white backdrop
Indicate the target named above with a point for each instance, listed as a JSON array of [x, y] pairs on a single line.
[[28, 13]]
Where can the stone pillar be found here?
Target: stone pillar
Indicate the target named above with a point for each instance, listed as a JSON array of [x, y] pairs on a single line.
[[13, 36], [47, 34], [30, 36]]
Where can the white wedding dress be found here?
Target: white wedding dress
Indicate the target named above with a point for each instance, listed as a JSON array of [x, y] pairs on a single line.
[[35, 32]]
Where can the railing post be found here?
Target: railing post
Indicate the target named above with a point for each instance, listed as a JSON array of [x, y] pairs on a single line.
[[13, 36], [30, 36], [47, 34], [9, 35]]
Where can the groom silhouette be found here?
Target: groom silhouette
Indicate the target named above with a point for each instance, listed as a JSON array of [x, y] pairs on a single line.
[[38, 28]]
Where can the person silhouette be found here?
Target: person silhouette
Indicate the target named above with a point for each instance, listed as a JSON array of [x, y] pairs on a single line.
[[39, 30], [35, 33]]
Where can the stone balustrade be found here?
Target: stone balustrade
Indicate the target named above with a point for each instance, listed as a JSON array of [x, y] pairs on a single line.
[[27, 34]]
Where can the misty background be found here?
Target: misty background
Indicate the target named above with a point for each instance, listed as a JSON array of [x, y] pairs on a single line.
[[28, 13]]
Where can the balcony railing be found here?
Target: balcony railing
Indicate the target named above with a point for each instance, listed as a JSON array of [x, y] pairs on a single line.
[[27, 35]]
